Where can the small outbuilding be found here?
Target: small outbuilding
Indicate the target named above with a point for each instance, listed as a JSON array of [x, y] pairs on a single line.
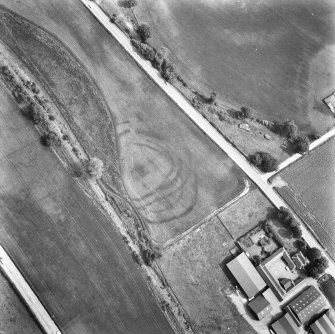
[[260, 307], [299, 260], [286, 283]]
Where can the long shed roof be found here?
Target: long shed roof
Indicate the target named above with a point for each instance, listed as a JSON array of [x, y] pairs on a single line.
[[323, 325], [246, 275], [285, 325], [307, 304]]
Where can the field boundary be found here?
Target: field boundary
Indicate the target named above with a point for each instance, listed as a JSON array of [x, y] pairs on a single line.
[[297, 156], [181, 236], [21, 285], [305, 215]]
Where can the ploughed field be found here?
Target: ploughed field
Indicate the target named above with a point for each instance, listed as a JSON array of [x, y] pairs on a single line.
[[69, 252], [173, 174], [276, 56], [310, 192]]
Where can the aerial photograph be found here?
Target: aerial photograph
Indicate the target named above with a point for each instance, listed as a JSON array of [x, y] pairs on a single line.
[[167, 166]]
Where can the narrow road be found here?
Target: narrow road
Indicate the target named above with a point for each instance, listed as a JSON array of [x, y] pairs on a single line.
[[297, 156], [259, 179], [9, 269]]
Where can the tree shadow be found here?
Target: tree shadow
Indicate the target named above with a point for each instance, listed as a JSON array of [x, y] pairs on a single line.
[[285, 233], [288, 148], [233, 113]]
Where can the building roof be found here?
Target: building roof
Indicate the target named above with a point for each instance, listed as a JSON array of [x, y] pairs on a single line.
[[309, 303], [286, 283], [330, 101], [323, 325], [285, 325], [299, 260], [260, 306], [246, 275], [271, 297], [266, 272]]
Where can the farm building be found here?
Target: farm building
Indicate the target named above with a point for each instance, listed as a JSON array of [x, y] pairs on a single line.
[[246, 275], [271, 297], [306, 305], [323, 325], [278, 271], [330, 102], [299, 260], [260, 307], [286, 283], [285, 325]]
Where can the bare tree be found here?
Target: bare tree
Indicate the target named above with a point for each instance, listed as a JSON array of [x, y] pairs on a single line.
[[129, 4]]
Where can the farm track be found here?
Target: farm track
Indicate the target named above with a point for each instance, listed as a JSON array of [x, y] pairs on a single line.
[[36, 307], [296, 157], [204, 125]]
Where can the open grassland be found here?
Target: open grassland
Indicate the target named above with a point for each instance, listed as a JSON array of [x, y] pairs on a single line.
[[69, 252], [195, 270], [246, 213], [14, 317], [278, 57], [310, 192], [174, 175]]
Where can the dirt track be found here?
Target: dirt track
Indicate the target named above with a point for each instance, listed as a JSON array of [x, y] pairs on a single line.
[[14, 275]]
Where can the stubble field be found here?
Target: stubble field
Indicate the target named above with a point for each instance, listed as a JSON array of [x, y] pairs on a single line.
[[275, 56], [310, 191], [69, 252], [173, 174]]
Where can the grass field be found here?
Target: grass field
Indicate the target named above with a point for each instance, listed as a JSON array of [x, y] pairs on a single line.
[[275, 56], [173, 173], [14, 317], [193, 269], [69, 252], [246, 213], [310, 191]]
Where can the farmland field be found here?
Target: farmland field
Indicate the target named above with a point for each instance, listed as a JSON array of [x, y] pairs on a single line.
[[310, 192], [14, 317], [174, 175], [276, 56], [69, 252], [194, 269]]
